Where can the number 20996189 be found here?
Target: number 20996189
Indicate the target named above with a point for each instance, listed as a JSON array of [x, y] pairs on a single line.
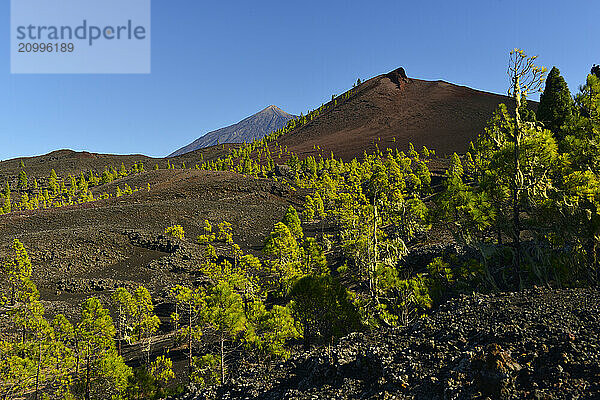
[[46, 47]]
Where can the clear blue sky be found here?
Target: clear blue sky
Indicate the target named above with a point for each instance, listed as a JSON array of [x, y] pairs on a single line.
[[214, 63]]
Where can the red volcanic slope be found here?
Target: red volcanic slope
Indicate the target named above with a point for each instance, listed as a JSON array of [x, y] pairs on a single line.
[[393, 111]]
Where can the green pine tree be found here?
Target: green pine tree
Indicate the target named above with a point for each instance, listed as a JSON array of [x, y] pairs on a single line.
[[595, 70], [556, 103], [146, 323], [23, 184], [189, 303], [224, 313], [292, 221], [282, 245], [124, 303], [102, 365]]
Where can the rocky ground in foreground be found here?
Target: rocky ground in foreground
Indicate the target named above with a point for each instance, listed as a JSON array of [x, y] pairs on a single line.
[[536, 344]]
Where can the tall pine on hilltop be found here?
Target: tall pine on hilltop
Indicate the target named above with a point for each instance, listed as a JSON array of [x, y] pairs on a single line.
[[596, 70], [556, 103]]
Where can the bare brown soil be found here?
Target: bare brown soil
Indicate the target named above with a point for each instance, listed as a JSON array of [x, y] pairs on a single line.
[[391, 111]]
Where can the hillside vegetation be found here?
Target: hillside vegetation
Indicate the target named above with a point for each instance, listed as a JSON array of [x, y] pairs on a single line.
[[144, 280]]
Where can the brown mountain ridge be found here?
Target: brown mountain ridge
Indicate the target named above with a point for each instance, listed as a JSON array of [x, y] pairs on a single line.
[[392, 110]]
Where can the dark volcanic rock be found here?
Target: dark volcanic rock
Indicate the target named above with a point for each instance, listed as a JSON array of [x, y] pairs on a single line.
[[398, 76], [284, 170], [535, 344]]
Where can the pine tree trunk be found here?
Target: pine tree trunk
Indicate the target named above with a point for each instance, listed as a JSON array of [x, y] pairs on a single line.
[[120, 328], [306, 335], [77, 356], [517, 184], [37, 375], [190, 357], [87, 375], [222, 361], [148, 350], [372, 283], [140, 317]]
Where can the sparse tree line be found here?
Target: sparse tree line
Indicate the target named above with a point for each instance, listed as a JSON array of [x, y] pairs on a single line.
[[56, 192]]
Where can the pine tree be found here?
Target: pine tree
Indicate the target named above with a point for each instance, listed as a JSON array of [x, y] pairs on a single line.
[[142, 385], [556, 103], [323, 308], [175, 231], [145, 321], [23, 184], [25, 364], [95, 335], [224, 313], [18, 271], [282, 245], [123, 171], [588, 99], [162, 370], [53, 182], [456, 168], [525, 77], [469, 213], [308, 214], [577, 223], [189, 303], [6, 206], [82, 184], [93, 179], [313, 258], [225, 233], [61, 352], [268, 331], [292, 221], [208, 236], [595, 70], [125, 305]]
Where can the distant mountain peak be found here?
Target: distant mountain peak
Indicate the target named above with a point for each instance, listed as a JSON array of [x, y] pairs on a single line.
[[251, 128], [273, 109]]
